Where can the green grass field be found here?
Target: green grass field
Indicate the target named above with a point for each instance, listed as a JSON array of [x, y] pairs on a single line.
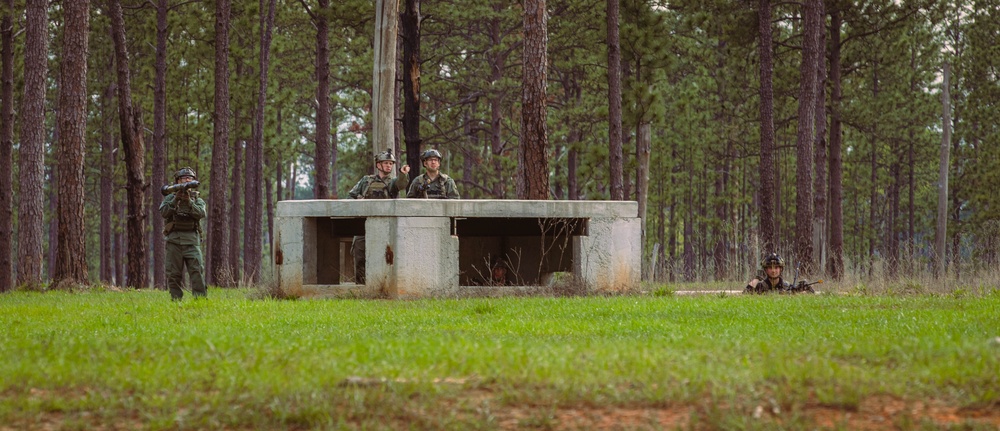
[[134, 360]]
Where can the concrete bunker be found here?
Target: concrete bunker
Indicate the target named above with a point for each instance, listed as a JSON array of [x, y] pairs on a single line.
[[439, 248]]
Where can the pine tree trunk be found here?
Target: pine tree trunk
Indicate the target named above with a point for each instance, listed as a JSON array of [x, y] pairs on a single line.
[[159, 144], [31, 154], [135, 154], [6, 146], [235, 206], [71, 264], [836, 261], [615, 157], [253, 218], [322, 188], [941, 230], [806, 135], [218, 222], [533, 172], [768, 165], [819, 152], [108, 148], [410, 23]]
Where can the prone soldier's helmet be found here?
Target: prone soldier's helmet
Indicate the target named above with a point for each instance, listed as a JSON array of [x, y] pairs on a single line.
[[385, 156], [185, 172], [428, 154], [772, 259]]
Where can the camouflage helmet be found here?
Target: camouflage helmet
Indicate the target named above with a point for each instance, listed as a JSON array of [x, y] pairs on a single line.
[[385, 156], [428, 154], [772, 259], [185, 172]]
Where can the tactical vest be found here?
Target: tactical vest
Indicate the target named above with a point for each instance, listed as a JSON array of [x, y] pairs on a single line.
[[377, 190], [182, 224]]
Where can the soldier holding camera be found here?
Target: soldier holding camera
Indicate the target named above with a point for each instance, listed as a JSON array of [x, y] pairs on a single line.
[[182, 210], [433, 184]]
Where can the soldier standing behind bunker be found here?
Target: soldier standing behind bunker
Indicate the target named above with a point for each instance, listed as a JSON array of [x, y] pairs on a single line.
[[381, 185], [182, 212], [433, 184]]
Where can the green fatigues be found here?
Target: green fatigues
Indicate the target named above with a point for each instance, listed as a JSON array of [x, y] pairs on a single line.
[[442, 187], [765, 286], [182, 231], [372, 187]]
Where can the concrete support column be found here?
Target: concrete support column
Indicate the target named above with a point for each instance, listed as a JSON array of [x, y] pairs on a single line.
[[608, 258], [411, 257], [289, 262]]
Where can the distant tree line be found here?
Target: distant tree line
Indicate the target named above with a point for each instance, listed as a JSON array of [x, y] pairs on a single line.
[[814, 129]]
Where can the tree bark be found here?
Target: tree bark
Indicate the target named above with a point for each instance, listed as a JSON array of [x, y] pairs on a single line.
[[410, 20], [135, 154], [6, 146], [159, 143], [235, 206], [253, 218], [533, 171], [71, 266], [108, 148], [30, 180], [218, 222], [384, 77], [941, 230], [768, 167], [806, 135], [615, 157], [322, 189], [836, 261], [820, 150]]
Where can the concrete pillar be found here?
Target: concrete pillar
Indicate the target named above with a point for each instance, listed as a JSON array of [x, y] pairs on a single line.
[[411, 257], [608, 259], [290, 235]]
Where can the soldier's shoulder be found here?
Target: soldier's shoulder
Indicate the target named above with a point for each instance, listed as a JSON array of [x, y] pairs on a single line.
[[445, 176]]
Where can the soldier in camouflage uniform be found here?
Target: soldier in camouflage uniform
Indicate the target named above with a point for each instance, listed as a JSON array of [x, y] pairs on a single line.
[[182, 212], [381, 185], [772, 265], [433, 184]]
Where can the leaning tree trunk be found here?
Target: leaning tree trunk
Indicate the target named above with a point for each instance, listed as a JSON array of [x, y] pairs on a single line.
[[767, 160], [533, 171], [30, 213], [135, 154], [71, 264], [218, 222], [6, 146]]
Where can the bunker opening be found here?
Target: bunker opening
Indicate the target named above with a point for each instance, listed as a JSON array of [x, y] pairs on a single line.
[[497, 251]]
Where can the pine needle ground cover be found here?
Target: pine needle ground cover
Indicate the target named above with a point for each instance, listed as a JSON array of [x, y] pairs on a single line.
[[135, 360]]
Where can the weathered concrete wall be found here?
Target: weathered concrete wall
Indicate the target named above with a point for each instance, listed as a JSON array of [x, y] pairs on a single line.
[[413, 252]]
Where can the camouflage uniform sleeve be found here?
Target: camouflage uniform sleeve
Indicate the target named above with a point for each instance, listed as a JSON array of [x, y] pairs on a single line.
[[359, 189], [168, 208], [198, 208], [401, 182], [451, 189], [412, 192]]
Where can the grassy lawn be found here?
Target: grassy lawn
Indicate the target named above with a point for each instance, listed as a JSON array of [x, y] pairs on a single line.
[[135, 360]]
